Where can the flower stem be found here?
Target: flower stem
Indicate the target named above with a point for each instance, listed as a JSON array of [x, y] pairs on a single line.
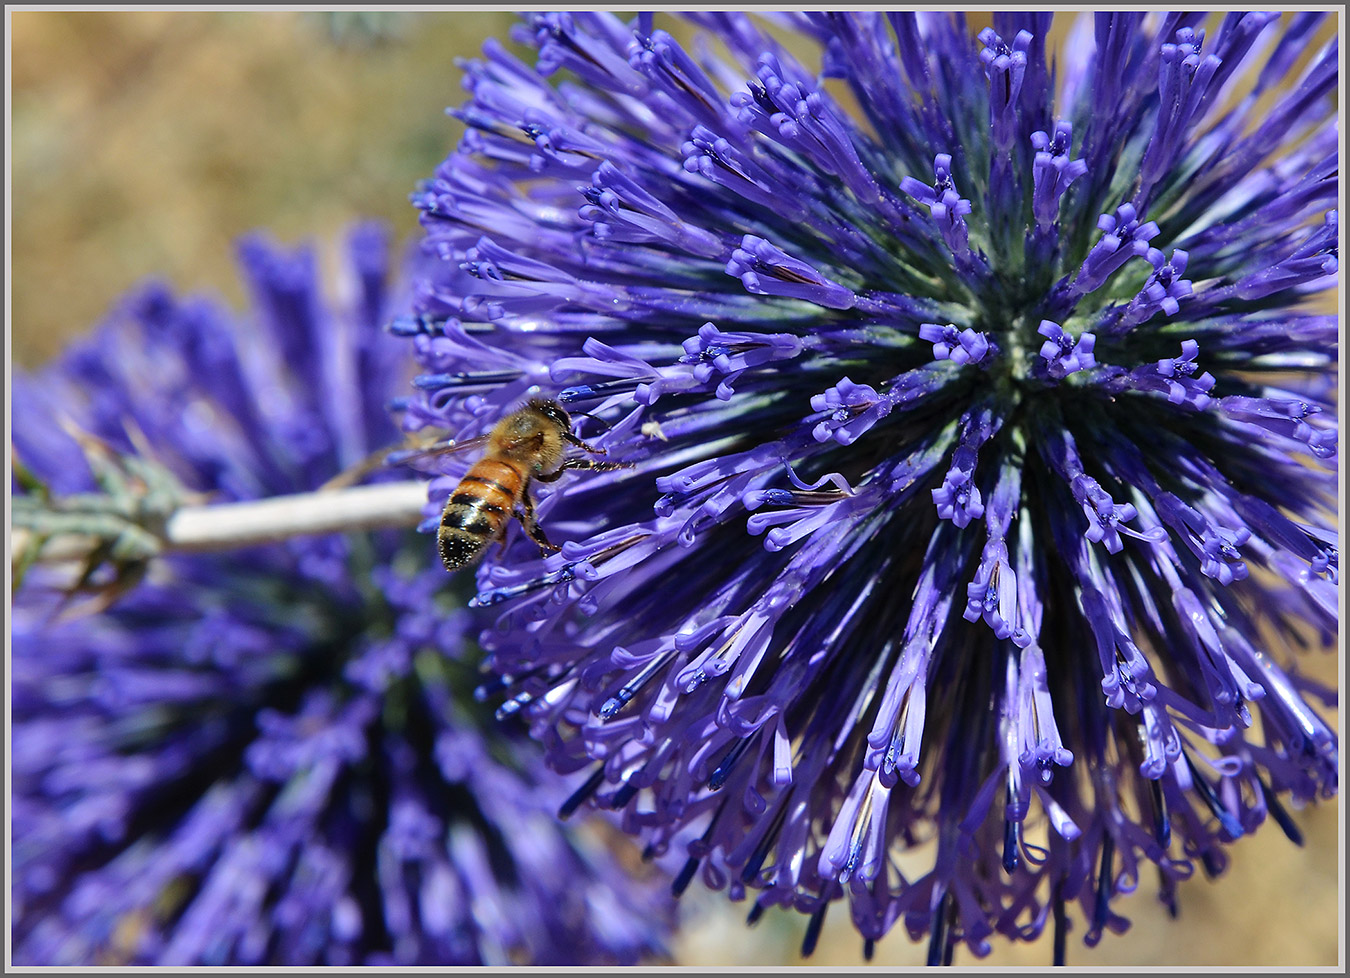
[[225, 526]]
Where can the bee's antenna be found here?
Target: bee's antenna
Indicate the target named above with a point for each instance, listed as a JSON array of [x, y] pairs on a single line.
[[593, 417]]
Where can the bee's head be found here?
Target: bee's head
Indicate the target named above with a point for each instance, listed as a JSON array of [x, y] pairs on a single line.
[[553, 411]]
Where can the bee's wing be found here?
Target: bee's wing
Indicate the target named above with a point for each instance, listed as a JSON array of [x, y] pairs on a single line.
[[409, 455], [401, 454]]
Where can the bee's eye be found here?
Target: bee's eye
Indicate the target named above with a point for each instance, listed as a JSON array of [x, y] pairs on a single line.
[[555, 413]]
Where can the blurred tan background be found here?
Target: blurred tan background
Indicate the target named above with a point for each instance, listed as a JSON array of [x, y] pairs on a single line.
[[144, 143]]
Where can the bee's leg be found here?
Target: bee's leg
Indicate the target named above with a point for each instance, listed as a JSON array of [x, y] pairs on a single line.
[[532, 527], [582, 463]]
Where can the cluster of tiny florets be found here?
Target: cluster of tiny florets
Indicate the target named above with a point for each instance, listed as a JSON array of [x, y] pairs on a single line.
[[957, 428], [272, 755]]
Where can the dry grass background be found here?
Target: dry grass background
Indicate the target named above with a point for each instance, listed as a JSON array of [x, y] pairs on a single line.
[[144, 143]]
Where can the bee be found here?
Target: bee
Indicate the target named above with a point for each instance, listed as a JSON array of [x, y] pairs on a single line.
[[527, 445]]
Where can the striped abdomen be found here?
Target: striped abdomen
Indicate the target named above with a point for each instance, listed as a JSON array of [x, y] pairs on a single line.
[[478, 510]]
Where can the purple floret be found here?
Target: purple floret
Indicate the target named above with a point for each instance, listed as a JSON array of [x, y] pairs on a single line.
[[273, 756], [957, 435]]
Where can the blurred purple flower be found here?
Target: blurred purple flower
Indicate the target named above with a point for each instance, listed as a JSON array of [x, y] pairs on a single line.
[[946, 483], [266, 756]]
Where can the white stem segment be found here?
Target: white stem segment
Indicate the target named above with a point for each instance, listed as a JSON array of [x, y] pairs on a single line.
[[225, 526], [228, 525]]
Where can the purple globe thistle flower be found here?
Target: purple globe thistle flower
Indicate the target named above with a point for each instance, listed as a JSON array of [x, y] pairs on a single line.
[[273, 755], [982, 443]]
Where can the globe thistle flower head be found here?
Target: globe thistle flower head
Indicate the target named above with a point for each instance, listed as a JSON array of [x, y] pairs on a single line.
[[982, 442], [272, 755]]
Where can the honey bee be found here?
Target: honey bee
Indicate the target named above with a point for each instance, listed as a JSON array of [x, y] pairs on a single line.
[[525, 446]]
